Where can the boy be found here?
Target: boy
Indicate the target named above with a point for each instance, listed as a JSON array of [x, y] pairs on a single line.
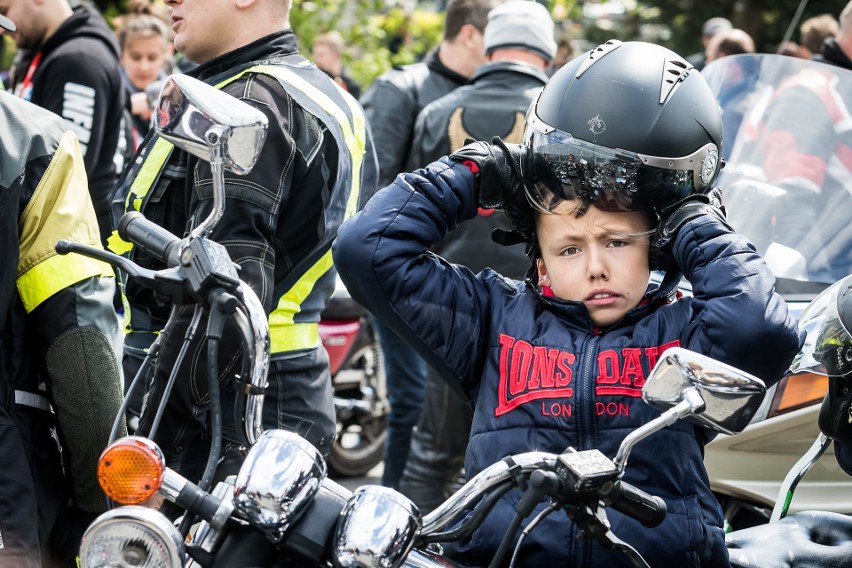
[[621, 150]]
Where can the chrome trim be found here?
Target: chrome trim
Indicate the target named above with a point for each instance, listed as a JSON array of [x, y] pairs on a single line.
[[483, 482], [691, 162], [377, 529], [278, 480], [173, 484], [254, 326], [208, 535], [149, 518]]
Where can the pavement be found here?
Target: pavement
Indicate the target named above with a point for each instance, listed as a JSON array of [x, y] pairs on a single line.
[[373, 477]]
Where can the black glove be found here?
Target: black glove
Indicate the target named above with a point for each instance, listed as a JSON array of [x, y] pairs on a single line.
[[676, 216], [499, 181]]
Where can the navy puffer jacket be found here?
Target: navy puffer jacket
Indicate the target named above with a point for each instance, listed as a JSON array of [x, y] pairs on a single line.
[[541, 377]]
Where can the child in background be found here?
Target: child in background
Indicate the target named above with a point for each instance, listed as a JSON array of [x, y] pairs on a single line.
[[144, 41], [614, 178]]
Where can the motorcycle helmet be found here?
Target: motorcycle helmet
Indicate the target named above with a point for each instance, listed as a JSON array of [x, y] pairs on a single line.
[[828, 351], [629, 126]]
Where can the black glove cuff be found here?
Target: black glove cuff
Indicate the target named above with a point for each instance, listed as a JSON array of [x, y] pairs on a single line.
[[676, 216]]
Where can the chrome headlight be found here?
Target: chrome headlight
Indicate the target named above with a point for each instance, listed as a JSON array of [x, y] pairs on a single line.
[[279, 478], [376, 530], [132, 537]]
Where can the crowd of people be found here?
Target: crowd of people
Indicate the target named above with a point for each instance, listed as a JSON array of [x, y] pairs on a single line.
[[481, 314]]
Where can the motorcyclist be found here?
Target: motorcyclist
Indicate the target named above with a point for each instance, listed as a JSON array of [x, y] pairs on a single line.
[[60, 386], [621, 150], [316, 166], [802, 148]]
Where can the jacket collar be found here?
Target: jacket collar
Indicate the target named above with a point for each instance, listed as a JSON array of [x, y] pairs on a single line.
[[493, 67], [435, 65], [832, 53], [273, 46]]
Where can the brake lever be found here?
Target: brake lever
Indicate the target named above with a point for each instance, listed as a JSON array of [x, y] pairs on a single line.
[[168, 282]]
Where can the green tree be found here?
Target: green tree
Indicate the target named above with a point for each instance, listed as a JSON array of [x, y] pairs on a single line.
[[377, 36], [766, 22]]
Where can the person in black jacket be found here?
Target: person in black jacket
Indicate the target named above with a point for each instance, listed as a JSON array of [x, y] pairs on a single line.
[[60, 385], [391, 104], [615, 176], [837, 50], [316, 167], [70, 67], [519, 44]]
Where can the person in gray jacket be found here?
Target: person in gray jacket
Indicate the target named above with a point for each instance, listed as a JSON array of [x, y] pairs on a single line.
[[519, 45], [391, 105]]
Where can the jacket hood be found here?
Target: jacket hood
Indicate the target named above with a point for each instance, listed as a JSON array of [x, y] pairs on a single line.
[[84, 22]]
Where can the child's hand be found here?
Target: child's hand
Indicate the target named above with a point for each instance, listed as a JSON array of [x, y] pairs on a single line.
[[676, 216], [499, 179]]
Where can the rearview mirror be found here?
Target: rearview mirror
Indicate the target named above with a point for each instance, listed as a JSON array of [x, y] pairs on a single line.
[[731, 396], [204, 122]]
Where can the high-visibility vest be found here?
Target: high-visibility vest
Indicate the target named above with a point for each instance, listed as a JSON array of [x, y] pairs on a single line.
[[313, 277]]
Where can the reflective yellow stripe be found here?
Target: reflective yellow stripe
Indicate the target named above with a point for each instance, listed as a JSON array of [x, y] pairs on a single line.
[[118, 245], [356, 140], [55, 274], [282, 317], [285, 335], [293, 337], [154, 162], [140, 187]]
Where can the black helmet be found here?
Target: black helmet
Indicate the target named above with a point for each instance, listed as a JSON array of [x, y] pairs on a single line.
[[629, 126], [828, 351]]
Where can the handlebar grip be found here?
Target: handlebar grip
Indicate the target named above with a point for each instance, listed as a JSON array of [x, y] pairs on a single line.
[[648, 509], [150, 237]]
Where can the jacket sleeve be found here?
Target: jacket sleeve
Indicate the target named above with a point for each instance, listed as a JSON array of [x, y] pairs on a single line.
[[70, 316], [735, 316], [391, 113], [383, 258]]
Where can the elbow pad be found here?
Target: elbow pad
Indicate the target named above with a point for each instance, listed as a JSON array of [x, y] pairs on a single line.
[[87, 394]]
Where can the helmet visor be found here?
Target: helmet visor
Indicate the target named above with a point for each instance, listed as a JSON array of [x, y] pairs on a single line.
[[828, 344], [562, 168]]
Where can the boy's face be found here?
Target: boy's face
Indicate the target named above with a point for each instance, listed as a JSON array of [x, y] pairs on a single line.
[[597, 259]]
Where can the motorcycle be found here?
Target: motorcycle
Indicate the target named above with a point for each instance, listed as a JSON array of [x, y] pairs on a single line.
[[281, 507], [811, 538], [358, 379], [746, 470]]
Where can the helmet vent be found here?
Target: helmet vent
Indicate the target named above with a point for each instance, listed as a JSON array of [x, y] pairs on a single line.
[[597, 54], [674, 72]]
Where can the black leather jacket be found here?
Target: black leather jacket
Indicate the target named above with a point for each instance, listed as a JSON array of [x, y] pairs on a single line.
[[494, 103], [277, 226], [391, 105]]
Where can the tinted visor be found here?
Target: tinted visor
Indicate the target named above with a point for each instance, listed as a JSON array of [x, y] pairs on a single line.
[[828, 344], [561, 167]]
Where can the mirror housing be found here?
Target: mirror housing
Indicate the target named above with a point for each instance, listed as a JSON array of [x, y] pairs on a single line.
[[731, 396], [204, 121]]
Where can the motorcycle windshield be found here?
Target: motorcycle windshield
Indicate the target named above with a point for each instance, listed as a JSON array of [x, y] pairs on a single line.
[[788, 151], [828, 345]]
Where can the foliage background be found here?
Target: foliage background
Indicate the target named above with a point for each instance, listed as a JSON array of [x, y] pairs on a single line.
[[380, 34]]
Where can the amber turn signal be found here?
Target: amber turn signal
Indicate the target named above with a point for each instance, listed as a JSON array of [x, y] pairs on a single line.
[[131, 470], [798, 391]]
